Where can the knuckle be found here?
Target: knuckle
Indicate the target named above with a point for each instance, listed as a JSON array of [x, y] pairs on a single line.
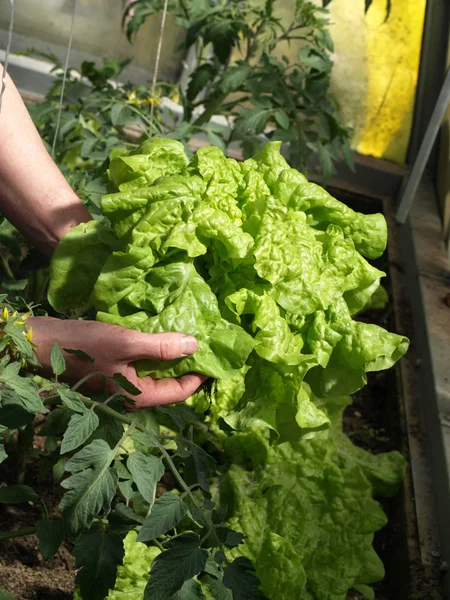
[[167, 348]]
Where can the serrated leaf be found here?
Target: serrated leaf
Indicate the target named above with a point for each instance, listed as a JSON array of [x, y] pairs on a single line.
[[5, 595], [146, 471], [145, 439], [56, 422], [201, 466], [252, 120], [57, 360], [124, 514], [183, 560], [234, 77], [126, 489], [166, 513], [12, 413], [80, 428], [121, 114], [126, 385], [200, 79], [26, 390], [282, 118], [191, 590], [13, 333], [234, 538], [173, 415], [217, 589], [17, 494], [183, 449], [50, 534], [240, 579], [109, 429], [72, 400], [216, 140], [312, 59], [223, 34], [326, 162], [97, 553], [81, 353], [91, 486]]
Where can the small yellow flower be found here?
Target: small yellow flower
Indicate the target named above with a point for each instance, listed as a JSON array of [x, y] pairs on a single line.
[[5, 314], [133, 99], [175, 97], [26, 315], [30, 334]]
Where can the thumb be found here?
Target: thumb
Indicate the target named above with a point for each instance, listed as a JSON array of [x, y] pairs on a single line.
[[159, 346]]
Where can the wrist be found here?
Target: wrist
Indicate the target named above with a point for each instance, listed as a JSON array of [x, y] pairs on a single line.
[[64, 211]]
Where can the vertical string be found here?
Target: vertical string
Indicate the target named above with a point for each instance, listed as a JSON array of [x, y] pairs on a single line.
[[66, 67], [8, 50], [158, 56]]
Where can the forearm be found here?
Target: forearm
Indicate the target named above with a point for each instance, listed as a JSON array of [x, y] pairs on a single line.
[[34, 195]]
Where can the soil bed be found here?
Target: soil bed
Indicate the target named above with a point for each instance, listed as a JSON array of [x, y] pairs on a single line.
[[22, 569]]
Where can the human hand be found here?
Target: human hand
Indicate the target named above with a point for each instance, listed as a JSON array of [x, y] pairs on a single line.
[[115, 350]]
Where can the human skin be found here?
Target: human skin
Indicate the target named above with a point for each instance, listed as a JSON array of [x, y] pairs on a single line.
[[37, 199]]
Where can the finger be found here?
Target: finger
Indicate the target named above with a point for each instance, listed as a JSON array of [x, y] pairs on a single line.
[[136, 345], [167, 391]]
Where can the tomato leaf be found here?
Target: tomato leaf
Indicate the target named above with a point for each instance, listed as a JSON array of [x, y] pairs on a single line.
[[57, 360], [191, 590], [166, 513], [50, 534], [126, 385], [72, 400], [240, 579], [5, 595], [146, 472], [79, 430], [91, 485], [181, 561], [97, 554], [80, 354], [17, 494]]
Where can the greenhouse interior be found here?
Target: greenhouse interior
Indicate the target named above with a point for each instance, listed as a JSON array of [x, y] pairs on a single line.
[[225, 300]]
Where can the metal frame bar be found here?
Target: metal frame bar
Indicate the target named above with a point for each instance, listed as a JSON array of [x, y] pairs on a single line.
[[424, 152], [433, 61]]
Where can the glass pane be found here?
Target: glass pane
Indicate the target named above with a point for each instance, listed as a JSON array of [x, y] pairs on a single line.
[[97, 33], [392, 50], [376, 64]]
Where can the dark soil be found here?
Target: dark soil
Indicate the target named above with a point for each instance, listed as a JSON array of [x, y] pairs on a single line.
[[23, 571]]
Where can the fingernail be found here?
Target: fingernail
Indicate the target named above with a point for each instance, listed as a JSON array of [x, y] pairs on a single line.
[[189, 345]]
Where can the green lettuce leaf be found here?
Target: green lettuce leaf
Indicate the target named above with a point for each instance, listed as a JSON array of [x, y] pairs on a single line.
[[76, 264], [362, 348], [276, 399], [265, 269], [174, 297]]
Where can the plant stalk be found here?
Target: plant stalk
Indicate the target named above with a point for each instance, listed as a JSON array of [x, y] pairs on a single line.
[[15, 534]]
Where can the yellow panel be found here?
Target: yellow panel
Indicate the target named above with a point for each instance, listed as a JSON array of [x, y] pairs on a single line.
[[375, 70], [393, 54]]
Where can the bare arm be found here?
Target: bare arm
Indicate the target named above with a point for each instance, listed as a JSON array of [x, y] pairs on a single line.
[[36, 198], [34, 195]]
